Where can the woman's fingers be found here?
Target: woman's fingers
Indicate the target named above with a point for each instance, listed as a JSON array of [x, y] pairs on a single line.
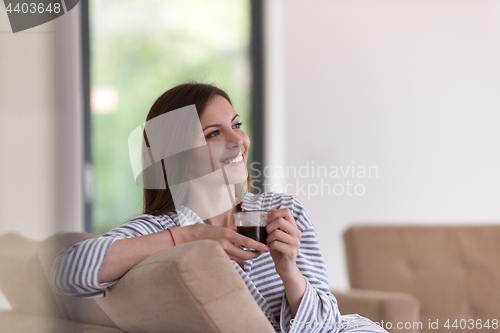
[[230, 241], [283, 237], [283, 234], [238, 254], [285, 249], [284, 213], [248, 242], [283, 225], [283, 240]]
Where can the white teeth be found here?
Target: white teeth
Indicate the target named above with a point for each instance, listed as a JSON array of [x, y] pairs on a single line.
[[234, 160]]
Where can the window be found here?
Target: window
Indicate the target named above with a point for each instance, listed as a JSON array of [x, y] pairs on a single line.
[[138, 51]]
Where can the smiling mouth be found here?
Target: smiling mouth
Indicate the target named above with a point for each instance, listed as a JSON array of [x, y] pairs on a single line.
[[232, 160]]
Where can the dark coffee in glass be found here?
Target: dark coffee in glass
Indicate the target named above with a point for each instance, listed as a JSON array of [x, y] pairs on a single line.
[[252, 224], [257, 233]]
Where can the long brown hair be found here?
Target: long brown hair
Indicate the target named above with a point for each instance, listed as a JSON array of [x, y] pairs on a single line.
[[160, 201]]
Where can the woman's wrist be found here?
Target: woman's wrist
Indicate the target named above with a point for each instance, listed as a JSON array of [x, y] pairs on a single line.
[[181, 235], [289, 271], [292, 277], [171, 235], [295, 286]]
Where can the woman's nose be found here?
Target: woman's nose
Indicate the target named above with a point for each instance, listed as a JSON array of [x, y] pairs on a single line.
[[233, 140], [233, 145], [234, 148]]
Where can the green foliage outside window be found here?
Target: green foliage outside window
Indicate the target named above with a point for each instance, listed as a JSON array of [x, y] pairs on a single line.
[[139, 49]]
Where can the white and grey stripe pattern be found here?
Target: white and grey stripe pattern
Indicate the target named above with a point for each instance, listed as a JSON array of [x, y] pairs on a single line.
[[76, 271], [317, 304]]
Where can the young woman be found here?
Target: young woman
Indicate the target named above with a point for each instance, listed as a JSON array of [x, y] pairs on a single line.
[[287, 277]]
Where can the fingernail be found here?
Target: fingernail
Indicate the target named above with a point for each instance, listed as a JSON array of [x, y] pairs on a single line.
[[267, 249]]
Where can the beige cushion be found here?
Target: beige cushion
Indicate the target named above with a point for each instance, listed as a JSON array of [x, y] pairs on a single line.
[[454, 271], [22, 279], [14, 322], [85, 310], [189, 288], [381, 306]]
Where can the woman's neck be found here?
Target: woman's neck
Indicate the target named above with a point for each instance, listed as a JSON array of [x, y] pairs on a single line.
[[225, 219], [213, 203]]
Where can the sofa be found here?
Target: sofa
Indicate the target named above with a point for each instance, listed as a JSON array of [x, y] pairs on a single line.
[[191, 288], [452, 273]]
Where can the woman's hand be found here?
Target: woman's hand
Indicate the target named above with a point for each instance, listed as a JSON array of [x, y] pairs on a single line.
[[284, 241], [229, 239]]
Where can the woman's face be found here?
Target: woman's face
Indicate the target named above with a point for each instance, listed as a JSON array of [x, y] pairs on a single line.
[[228, 143]]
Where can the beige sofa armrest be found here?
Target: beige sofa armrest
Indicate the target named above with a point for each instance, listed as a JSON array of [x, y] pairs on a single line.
[[191, 288], [388, 306], [18, 322]]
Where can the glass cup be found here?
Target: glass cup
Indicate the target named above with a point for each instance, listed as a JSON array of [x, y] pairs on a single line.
[[252, 224]]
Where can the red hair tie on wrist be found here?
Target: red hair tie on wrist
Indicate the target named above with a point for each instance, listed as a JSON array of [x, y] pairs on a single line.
[[173, 240]]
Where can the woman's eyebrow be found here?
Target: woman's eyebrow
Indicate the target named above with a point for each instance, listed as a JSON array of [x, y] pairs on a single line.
[[218, 125]]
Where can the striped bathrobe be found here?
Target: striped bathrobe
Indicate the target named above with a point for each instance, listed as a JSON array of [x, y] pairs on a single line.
[[76, 271]]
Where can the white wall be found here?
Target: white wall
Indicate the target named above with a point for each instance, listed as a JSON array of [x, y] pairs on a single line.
[[40, 128], [410, 87]]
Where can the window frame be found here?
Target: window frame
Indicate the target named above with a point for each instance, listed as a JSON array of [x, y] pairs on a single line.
[[256, 101]]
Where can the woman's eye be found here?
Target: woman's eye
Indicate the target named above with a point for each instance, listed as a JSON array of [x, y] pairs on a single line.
[[217, 132], [211, 134]]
